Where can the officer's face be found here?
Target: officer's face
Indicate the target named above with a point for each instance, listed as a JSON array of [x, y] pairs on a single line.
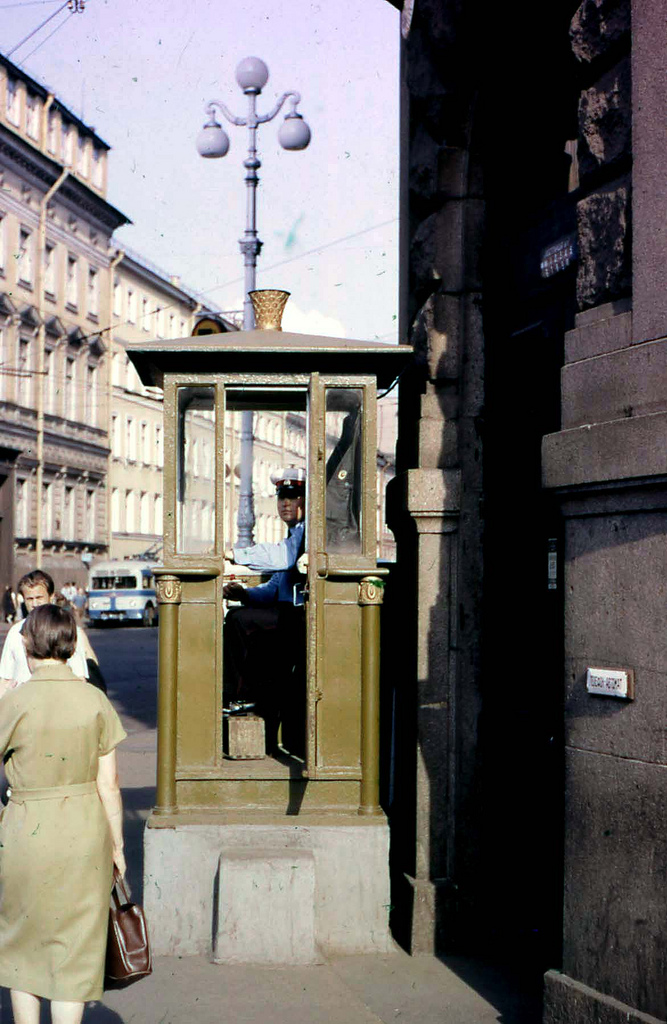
[[35, 596], [291, 510]]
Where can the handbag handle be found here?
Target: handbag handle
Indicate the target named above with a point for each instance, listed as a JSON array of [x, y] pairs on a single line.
[[119, 884]]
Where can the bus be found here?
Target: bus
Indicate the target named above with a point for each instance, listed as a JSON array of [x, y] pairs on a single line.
[[122, 591]]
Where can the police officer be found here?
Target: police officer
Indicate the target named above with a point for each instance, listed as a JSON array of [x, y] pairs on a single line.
[[264, 639]]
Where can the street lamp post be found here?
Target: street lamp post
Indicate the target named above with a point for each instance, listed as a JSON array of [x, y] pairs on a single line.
[[252, 75]]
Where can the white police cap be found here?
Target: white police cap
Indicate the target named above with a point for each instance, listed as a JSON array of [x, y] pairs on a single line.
[[289, 477]]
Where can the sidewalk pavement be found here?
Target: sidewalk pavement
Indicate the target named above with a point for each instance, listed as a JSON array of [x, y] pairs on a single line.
[[390, 988]]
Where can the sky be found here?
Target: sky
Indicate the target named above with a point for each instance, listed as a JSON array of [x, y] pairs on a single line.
[[141, 73]]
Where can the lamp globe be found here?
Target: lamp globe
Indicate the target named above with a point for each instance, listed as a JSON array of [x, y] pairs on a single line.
[[212, 140], [252, 74], [294, 132]]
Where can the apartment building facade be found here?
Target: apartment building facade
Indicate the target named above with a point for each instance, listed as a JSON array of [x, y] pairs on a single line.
[[145, 303], [55, 231]]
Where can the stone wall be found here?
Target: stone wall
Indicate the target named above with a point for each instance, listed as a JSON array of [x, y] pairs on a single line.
[[600, 36], [436, 495], [607, 467]]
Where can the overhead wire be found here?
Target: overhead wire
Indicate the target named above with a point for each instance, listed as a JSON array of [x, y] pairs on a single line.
[[291, 259], [27, 3], [227, 284], [40, 45], [39, 27], [309, 252]]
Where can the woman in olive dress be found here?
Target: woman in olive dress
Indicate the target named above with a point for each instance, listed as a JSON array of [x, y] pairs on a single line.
[[61, 831]]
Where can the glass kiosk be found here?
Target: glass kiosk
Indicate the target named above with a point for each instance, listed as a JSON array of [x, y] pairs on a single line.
[[322, 773]]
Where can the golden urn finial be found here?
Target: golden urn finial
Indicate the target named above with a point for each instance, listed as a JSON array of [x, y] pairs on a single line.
[[268, 304]]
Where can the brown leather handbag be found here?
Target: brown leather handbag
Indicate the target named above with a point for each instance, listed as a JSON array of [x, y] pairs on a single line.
[[128, 949]]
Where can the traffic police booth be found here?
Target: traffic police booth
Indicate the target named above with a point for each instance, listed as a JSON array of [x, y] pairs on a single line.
[[272, 859]]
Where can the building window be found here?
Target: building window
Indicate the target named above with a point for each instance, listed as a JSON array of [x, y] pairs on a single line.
[[93, 292], [145, 447], [50, 270], [157, 513], [13, 110], [130, 512], [32, 116], [91, 515], [25, 256], [72, 290], [47, 510], [22, 508], [116, 368], [182, 329], [131, 439], [98, 157], [115, 436], [67, 136], [50, 381], [159, 321], [117, 297], [25, 372], [82, 158], [91, 396], [115, 510], [159, 455], [145, 513], [70, 388], [69, 513], [145, 315], [172, 326], [3, 243], [52, 132]]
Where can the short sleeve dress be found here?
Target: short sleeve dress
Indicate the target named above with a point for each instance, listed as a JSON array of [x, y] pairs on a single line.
[[56, 866]]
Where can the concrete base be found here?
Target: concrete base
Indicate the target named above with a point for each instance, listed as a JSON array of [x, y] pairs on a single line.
[[185, 885], [266, 908], [567, 1000]]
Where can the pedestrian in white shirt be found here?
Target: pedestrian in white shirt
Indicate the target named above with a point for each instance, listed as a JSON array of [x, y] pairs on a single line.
[[36, 588]]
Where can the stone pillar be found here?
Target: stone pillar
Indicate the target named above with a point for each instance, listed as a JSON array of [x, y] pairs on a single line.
[[429, 503], [436, 518]]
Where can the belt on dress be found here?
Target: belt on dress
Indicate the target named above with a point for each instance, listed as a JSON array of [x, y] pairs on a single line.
[[19, 796]]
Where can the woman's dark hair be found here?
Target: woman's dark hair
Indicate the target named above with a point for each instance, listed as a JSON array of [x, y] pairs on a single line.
[[50, 632]]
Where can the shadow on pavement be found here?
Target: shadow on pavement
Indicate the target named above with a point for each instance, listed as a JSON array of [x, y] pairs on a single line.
[[98, 1013], [95, 1013], [515, 994], [137, 805]]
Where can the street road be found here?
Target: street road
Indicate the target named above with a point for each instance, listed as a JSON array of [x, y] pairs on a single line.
[[128, 659]]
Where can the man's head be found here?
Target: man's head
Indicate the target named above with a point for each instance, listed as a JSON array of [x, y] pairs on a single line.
[[291, 495], [36, 588]]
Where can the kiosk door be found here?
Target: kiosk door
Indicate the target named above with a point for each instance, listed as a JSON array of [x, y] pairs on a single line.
[[342, 545]]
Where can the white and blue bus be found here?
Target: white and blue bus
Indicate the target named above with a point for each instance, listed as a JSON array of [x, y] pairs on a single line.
[[122, 591]]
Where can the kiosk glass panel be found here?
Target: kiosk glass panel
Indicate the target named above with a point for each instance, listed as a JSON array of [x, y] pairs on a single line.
[[343, 425], [196, 471]]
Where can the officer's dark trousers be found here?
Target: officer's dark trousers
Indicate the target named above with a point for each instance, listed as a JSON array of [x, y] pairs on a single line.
[[264, 662]]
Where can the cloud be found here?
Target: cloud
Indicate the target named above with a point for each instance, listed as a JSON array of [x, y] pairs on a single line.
[[311, 322]]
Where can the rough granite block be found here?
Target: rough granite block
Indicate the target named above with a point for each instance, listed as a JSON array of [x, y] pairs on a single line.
[[246, 737]]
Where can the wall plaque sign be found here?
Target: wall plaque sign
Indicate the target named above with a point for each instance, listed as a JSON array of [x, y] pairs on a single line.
[[611, 682]]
